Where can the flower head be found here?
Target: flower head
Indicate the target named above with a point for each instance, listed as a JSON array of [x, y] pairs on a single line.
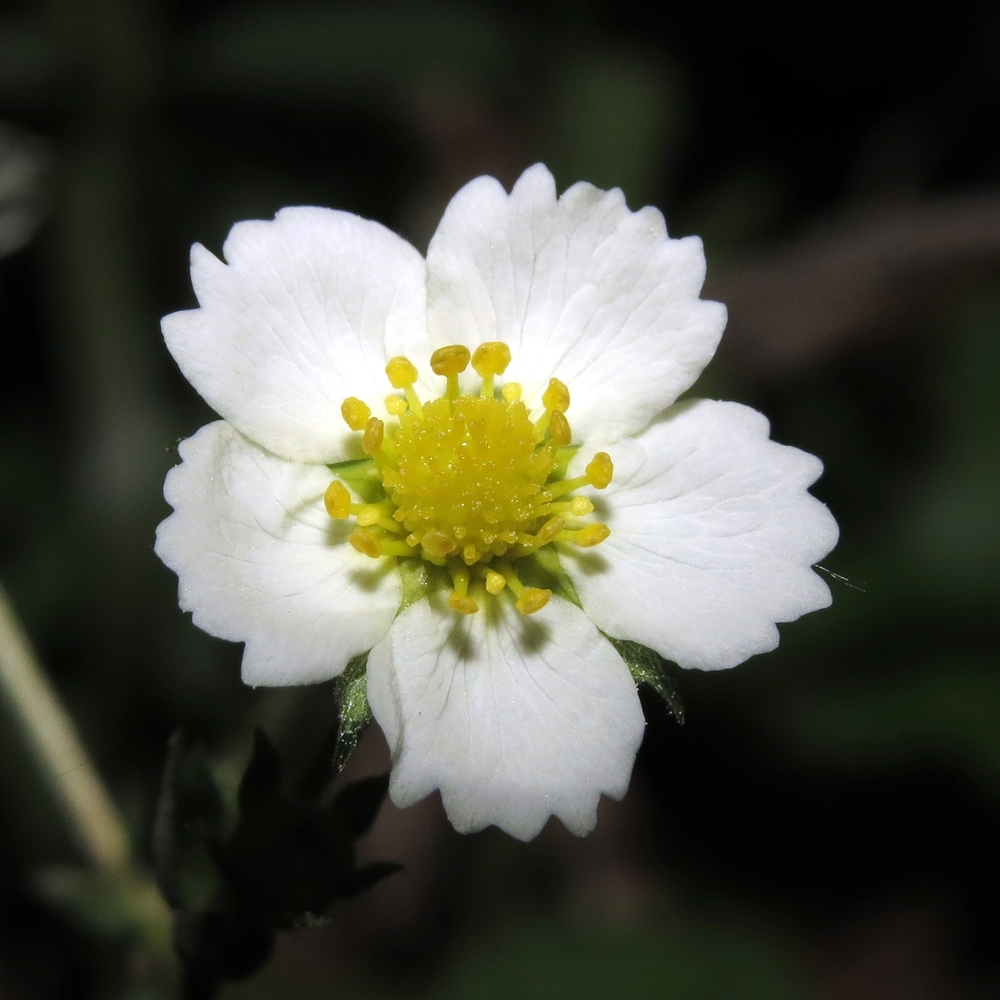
[[475, 467]]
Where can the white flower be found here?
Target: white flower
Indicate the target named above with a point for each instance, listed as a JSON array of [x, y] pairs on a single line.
[[506, 697]]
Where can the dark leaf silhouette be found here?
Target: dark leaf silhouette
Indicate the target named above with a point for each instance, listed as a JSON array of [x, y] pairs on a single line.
[[289, 856]]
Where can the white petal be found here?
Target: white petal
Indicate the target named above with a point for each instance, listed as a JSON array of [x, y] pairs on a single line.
[[306, 313], [259, 561], [513, 718], [581, 289], [712, 538]]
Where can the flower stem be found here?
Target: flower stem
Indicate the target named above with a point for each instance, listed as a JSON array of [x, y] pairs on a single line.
[[56, 746]]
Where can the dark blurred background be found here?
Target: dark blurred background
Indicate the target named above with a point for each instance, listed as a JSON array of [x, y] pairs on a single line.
[[826, 823]]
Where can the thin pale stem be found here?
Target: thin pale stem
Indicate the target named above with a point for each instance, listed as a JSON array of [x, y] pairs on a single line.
[[57, 748]]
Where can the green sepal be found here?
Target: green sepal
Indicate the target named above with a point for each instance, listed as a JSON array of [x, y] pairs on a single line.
[[648, 667], [563, 457], [362, 476], [351, 689], [552, 575], [420, 578]]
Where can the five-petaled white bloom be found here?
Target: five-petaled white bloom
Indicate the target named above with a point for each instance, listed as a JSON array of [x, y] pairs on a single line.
[[458, 527]]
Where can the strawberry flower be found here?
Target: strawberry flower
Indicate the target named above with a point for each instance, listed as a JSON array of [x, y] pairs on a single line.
[[475, 467]]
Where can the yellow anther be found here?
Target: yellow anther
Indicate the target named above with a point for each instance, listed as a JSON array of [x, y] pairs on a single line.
[[491, 358], [365, 542], [556, 396], [460, 600], [437, 543], [600, 470], [549, 530], [371, 441], [559, 428], [355, 413], [369, 516], [450, 360], [470, 554], [463, 604], [395, 405], [337, 500], [529, 599], [580, 506], [532, 600], [401, 372], [511, 391], [413, 539], [592, 535], [494, 582]]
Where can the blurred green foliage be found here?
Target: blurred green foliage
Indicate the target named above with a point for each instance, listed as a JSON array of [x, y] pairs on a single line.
[[689, 962], [934, 576]]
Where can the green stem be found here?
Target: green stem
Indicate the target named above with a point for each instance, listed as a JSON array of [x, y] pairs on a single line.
[[56, 746]]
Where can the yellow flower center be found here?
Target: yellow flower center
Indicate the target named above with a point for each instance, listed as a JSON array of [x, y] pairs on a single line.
[[471, 482]]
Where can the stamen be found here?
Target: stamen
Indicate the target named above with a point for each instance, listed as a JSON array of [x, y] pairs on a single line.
[[529, 599], [459, 600], [578, 506], [587, 537], [401, 371], [491, 359], [598, 474], [559, 429], [556, 396], [437, 543], [355, 413], [365, 542], [494, 580], [337, 501], [532, 600], [392, 547], [395, 405], [555, 399], [567, 485], [371, 441], [370, 514], [511, 391], [600, 470], [402, 374], [547, 533], [450, 362]]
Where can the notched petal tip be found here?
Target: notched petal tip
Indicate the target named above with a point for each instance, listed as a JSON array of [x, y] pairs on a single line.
[[250, 571], [513, 719], [535, 184], [713, 538], [617, 287], [303, 315]]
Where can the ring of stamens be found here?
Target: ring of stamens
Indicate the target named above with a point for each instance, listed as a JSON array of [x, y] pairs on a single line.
[[471, 481]]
